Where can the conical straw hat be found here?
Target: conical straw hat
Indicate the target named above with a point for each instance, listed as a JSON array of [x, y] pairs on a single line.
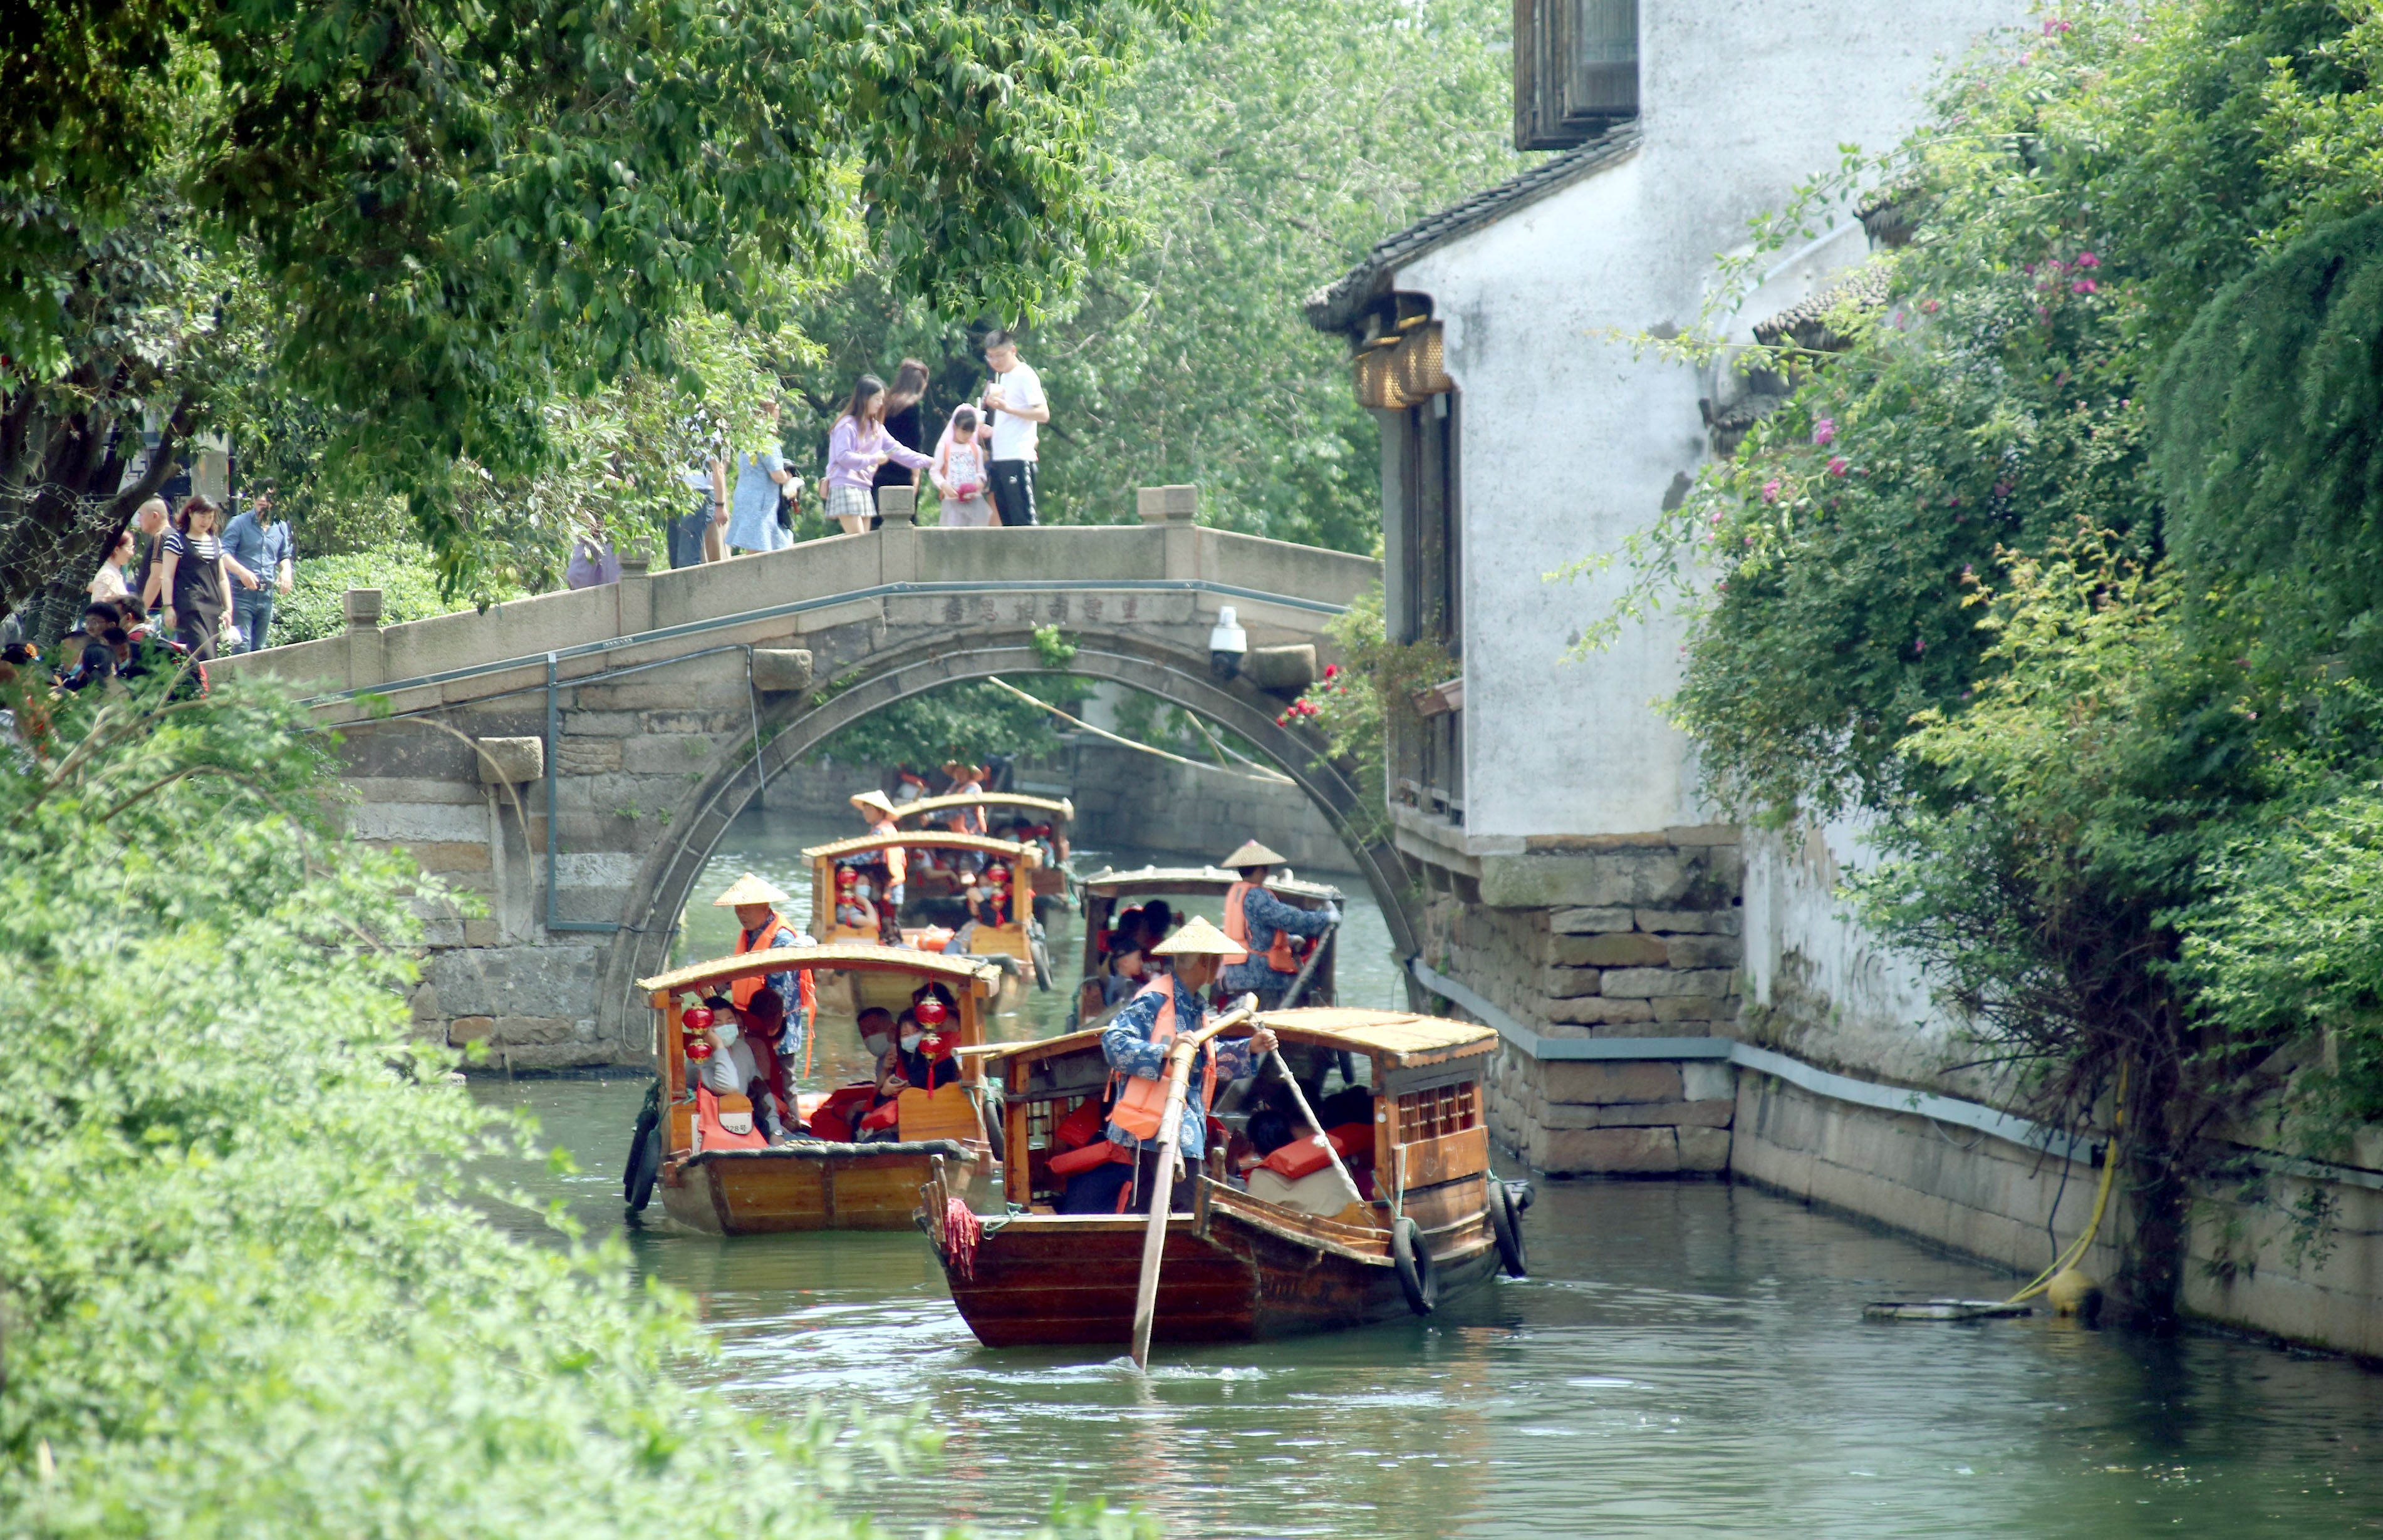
[[1199, 939], [1252, 854], [873, 800], [748, 889]]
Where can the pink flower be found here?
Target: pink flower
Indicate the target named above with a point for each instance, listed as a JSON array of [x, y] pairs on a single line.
[[2054, 264], [2027, 58], [2043, 313], [2054, 27], [2087, 259], [1824, 431], [2002, 488], [1331, 670], [1838, 465], [2082, 285], [1929, 307], [1769, 493]]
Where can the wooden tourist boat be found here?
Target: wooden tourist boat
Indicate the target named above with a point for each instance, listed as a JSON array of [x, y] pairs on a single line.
[[1003, 811], [813, 1185], [1106, 891], [1238, 1268], [1020, 941]]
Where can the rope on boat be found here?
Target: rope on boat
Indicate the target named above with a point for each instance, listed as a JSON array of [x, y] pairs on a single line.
[[961, 1233]]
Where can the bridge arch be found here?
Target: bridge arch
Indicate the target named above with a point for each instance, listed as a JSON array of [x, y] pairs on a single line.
[[796, 726]]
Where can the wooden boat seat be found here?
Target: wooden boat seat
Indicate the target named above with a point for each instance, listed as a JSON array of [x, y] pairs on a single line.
[[821, 1150]]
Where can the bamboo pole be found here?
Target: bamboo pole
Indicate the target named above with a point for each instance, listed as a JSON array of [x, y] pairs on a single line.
[[1162, 1187]]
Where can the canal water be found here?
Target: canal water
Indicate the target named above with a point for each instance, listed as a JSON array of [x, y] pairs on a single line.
[[1686, 1359]]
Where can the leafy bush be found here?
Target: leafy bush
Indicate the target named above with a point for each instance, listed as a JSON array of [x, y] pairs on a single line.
[[241, 1293], [403, 574]]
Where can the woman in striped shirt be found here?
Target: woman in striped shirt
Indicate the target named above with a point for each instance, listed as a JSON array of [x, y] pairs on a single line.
[[198, 577], [856, 447]]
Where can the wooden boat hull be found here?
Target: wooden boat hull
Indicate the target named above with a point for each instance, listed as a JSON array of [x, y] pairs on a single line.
[[811, 1186], [1231, 1273]]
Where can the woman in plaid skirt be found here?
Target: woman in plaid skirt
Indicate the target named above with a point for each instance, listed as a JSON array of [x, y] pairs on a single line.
[[857, 445]]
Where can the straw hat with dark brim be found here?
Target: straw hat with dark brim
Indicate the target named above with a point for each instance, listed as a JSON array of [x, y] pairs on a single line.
[[1253, 853], [748, 889], [1199, 939], [873, 801]]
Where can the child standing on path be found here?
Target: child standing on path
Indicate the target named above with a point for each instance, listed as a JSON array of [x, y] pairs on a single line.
[[959, 473], [856, 447]]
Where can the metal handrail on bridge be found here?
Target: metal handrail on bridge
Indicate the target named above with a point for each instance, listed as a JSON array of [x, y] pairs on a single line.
[[797, 606]]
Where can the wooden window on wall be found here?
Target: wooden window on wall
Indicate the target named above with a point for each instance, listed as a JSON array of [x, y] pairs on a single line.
[[1431, 1113], [1575, 70], [1427, 549]]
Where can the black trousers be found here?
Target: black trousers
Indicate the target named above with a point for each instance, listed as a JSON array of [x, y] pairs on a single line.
[[1145, 1183], [1013, 491]]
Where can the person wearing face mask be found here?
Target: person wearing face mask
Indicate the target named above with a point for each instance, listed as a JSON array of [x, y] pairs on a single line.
[[928, 1029]]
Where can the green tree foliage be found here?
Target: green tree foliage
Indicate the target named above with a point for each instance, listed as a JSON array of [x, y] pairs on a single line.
[[445, 216], [315, 606], [1258, 161], [2266, 426], [241, 1287]]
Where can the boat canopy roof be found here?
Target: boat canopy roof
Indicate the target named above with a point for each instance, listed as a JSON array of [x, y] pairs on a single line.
[[914, 839], [1058, 807], [1108, 883], [976, 975], [1401, 1039]]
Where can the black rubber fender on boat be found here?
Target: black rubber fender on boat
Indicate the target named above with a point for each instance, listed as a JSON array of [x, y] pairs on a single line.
[[988, 1113], [644, 1164], [1506, 1220], [1418, 1279], [649, 1117]]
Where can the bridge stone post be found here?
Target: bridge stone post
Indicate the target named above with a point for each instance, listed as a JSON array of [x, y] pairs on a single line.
[[635, 592], [363, 609], [1174, 510], [898, 543]]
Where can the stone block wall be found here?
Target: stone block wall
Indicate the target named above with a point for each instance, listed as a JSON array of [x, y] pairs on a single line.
[[1132, 800], [1637, 937], [1614, 1117]]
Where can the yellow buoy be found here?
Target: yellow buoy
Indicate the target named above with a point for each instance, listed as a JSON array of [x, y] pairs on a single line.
[[2071, 1292]]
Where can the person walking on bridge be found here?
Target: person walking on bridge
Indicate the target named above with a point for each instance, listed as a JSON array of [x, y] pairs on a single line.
[[856, 446], [1252, 912]]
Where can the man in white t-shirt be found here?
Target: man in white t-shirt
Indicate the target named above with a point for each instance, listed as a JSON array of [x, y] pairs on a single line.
[[1013, 404]]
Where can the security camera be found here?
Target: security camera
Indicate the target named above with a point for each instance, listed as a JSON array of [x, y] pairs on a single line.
[[1227, 644]]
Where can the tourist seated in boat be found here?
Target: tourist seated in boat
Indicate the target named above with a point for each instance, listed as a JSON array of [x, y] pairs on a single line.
[[853, 907], [878, 814], [1127, 966], [1264, 925], [760, 928], [988, 902], [840, 1116], [738, 1064], [928, 1033], [1289, 1167], [1136, 1041]]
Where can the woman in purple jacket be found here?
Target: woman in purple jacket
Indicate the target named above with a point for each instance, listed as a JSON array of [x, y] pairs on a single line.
[[856, 447]]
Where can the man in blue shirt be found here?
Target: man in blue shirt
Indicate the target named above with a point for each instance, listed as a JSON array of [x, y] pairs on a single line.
[[261, 543], [1264, 925], [1136, 1044]]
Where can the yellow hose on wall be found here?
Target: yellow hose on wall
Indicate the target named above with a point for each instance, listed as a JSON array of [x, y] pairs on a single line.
[[2075, 1251]]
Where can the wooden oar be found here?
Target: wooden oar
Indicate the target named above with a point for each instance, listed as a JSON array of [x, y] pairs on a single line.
[[1162, 1189], [1298, 990]]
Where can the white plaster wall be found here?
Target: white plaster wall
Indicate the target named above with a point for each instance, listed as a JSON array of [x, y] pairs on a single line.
[[1568, 445]]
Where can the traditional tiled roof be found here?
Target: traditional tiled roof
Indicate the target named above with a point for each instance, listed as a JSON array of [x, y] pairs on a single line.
[[1807, 325], [1338, 307]]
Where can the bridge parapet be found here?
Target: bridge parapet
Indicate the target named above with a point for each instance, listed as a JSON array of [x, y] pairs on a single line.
[[661, 703]]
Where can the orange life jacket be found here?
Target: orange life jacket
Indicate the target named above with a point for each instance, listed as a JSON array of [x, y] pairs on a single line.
[[1237, 929], [715, 1134], [1141, 1105], [897, 860], [741, 993]]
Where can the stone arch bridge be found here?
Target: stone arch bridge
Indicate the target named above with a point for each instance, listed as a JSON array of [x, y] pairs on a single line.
[[575, 757]]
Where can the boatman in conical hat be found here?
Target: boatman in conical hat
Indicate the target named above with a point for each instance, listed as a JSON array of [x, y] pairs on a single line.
[[1269, 966], [761, 928], [1135, 1043]]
